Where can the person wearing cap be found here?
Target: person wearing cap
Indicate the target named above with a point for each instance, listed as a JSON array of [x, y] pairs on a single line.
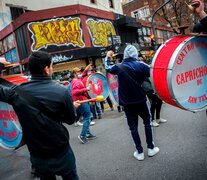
[[200, 27], [132, 96], [45, 135], [79, 92]]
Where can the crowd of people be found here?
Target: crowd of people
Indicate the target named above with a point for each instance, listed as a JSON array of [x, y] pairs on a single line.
[[45, 135]]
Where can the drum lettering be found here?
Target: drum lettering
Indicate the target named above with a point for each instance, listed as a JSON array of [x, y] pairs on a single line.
[[1, 133], [11, 135], [191, 75], [202, 98], [192, 99], [199, 82], [201, 44], [184, 52], [8, 115], [5, 124]]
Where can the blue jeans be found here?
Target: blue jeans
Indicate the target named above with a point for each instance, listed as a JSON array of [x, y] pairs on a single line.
[[132, 112], [95, 109], [85, 111]]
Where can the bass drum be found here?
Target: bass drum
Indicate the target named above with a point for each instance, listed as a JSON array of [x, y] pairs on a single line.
[[179, 72], [98, 84], [10, 128], [113, 88]]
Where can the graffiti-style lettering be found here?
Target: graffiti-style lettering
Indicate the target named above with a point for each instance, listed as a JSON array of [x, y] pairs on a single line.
[[60, 58], [59, 32], [1, 133], [99, 31]]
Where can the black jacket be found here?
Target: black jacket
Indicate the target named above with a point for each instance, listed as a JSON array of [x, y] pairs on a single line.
[[201, 26], [44, 136]]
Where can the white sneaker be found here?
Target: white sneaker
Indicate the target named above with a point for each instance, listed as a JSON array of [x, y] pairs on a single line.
[[79, 123], [154, 123], [139, 156], [92, 123], [152, 152], [161, 120]]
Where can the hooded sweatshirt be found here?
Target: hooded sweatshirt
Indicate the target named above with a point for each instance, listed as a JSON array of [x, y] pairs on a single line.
[[129, 91]]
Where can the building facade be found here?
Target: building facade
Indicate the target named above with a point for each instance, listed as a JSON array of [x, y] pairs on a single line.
[[143, 10], [74, 34], [11, 9]]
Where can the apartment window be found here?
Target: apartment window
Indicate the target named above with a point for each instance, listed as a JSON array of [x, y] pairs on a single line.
[[141, 13], [111, 4], [93, 1], [16, 12]]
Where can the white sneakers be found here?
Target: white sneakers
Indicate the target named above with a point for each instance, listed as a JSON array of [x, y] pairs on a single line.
[[152, 152], [155, 123], [78, 123], [161, 120], [139, 156]]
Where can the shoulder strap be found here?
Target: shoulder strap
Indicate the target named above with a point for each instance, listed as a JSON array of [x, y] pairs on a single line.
[[31, 100], [129, 73]]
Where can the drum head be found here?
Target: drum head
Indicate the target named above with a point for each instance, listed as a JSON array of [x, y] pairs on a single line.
[[98, 84], [113, 88], [10, 128]]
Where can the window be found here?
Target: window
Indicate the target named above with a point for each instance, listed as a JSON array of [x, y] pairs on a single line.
[[16, 12], [8, 50], [144, 36], [93, 1], [1, 47], [111, 5], [141, 13]]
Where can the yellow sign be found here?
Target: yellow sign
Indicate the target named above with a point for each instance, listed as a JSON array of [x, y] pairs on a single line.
[[59, 32], [100, 31]]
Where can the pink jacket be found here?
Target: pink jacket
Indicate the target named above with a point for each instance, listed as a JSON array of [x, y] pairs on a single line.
[[79, 91]]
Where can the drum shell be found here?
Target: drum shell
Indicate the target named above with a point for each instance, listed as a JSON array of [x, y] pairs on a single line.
[[166, 67]]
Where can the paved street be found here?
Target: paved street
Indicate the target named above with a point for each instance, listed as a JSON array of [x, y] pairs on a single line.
[[182, 142]]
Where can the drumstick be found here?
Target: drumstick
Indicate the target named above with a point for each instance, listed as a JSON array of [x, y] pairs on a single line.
[[97, 99]]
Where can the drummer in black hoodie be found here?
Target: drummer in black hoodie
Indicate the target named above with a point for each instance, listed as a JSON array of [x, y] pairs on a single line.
[[46, 137], [133, 97]]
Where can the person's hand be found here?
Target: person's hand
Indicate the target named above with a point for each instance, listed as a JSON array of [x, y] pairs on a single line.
[[109, 53], [76, 104], [88, 87], [3, 61], [198, 7], [90, 66]]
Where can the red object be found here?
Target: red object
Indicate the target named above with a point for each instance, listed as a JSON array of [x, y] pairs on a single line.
[[16, 79], [160, 68]]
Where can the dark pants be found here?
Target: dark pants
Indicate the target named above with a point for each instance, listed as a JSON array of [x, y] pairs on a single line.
[[109, 103], [62, 165], [156, 105], [132, 112]]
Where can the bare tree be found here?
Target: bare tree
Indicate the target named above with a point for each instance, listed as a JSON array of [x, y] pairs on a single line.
[[177, 15]]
